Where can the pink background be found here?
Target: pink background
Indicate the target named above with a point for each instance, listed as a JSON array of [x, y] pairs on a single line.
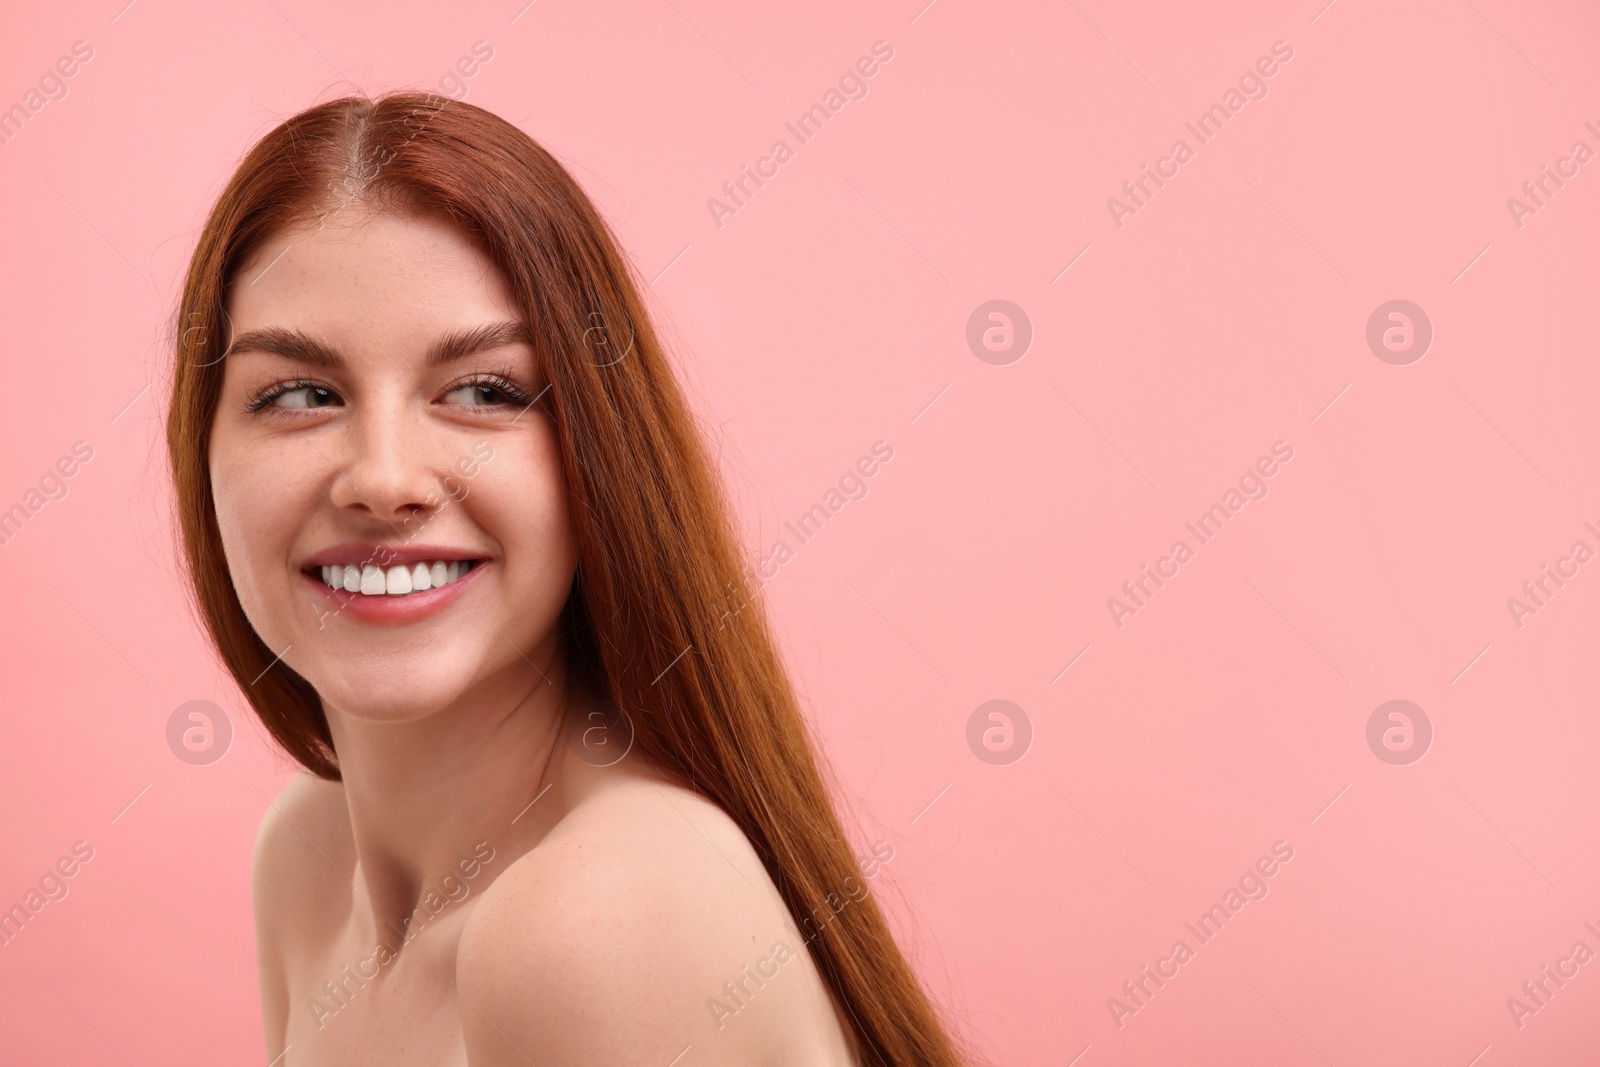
[[831, 312]]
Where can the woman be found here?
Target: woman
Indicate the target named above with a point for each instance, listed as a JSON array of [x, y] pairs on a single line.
[[455, 535]]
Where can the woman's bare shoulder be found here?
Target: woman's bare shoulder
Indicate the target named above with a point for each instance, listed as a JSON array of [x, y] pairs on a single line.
[[610, 940], [302, 849], [303, 852]]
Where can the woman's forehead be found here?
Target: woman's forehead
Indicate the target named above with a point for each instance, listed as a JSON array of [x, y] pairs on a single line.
[[368, 273]]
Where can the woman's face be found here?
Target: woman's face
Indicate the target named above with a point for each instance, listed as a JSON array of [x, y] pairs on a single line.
[[375, 416]]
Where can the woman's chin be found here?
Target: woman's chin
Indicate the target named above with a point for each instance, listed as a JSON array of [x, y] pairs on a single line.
[[381, 697]]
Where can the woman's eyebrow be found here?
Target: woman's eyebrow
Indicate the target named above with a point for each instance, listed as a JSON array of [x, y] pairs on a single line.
[[457, 344]]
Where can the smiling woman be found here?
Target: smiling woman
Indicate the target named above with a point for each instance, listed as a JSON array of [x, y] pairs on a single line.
[[550, 668]]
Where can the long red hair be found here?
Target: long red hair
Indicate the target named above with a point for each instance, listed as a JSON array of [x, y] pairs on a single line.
[[647, 618]]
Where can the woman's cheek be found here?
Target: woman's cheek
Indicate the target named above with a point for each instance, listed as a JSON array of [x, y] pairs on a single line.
[[243, 563], [519, 498], [257, 502]]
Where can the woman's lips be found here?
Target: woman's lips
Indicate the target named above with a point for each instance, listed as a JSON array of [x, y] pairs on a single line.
[[391, 609], [364, 552]]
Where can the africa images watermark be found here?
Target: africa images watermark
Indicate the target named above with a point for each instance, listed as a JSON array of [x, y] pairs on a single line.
[[1252, 885], [52, 886], [1252, 85], [452, 80], [1252, 485], [1579, 154], [52, 86], [1536, 992], [851, 86], [1532, 600], [852, 485], [52, 486], [737, 993], [341, 991]]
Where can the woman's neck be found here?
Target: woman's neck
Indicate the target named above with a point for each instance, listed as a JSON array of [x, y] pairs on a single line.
[[424, 796]]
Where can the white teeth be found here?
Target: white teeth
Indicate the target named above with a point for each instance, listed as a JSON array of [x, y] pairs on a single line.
[[401, 579], [397, 582]]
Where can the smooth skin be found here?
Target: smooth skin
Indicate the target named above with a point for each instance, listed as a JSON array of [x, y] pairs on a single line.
[[615, 903]]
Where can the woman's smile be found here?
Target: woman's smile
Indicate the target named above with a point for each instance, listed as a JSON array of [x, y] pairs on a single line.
[[384, 584]]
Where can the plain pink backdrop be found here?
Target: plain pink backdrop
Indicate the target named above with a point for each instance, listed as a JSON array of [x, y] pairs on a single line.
[[831, 311]]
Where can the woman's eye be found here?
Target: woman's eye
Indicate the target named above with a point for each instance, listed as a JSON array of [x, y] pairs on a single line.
[[477, 394], [305, 396]]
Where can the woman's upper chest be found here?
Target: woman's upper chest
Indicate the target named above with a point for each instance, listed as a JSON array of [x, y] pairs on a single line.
[[355, 1001]]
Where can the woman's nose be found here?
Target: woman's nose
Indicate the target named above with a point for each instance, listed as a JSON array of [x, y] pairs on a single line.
[[387, 468]]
